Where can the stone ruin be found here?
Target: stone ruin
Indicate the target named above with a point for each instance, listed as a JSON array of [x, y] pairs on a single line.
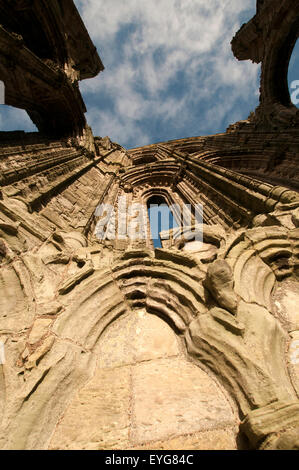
[[112, 344]]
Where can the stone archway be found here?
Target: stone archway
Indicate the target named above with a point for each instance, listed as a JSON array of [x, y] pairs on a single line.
[[145, 394], [223, 313]]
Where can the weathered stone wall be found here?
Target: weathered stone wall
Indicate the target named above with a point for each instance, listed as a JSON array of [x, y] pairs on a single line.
[[110, 344], [45, 50], [146, 394], [269, 39]]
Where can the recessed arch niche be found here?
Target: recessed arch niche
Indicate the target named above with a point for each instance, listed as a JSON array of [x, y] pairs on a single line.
[[145, 394]]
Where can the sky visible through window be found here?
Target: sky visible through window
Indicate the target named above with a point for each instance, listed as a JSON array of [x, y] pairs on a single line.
[[293, 74], [161, 218]]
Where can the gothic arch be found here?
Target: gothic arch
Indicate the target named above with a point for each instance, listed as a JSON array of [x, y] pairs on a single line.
[[276, 63]]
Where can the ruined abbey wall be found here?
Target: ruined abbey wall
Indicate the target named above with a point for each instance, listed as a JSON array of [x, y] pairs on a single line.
[[112, 344]]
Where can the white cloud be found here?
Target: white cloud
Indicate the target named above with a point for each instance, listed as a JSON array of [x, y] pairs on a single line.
[[116, 126], [15, 119], [169, 69], [167, 60]]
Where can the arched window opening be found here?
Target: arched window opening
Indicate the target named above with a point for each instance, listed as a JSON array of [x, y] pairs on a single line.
[[144, 159], [15, 119], [293, 75], [161, 218]]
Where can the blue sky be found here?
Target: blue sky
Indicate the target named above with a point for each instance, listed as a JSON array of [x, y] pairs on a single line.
[[169, 70]]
